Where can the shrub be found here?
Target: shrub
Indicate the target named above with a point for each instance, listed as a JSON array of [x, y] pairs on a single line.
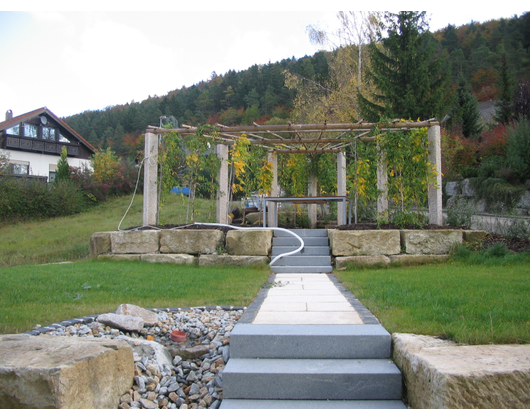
[[27, 199], [458, 153], [459, 213], [493, 142], [518, 153]]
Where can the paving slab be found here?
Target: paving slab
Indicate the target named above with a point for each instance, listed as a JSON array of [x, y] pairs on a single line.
[[305, 299]]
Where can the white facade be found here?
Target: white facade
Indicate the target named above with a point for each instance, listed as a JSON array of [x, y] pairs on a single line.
[[41, 164]]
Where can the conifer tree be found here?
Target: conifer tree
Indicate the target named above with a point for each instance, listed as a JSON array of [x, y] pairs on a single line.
[[410, 80], [503, 107], [63, 169]]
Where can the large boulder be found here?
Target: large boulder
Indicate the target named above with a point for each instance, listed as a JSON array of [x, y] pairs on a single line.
[[135, 242], [364, 242], [440, 374], [63, 372], [417, 242], [249, 242], [191, 241]]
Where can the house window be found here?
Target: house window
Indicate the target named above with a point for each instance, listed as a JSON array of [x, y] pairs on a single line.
[[30, 130], [48, 133], [52, 172], [63, 139], [19, 168], [13, 130]]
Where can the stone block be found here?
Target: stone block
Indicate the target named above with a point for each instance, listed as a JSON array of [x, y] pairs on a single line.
[[191, 241], [417, 242], [135, 242], [364, 242], [364, 260], [181, 259], [231, 260], [63, 372], [417, 259], [99, 243], [120, 257], [474, 235], [249, 242], [439, 374]]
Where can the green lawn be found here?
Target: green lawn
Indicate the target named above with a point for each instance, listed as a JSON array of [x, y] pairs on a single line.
[[46, 294], [468, 303]]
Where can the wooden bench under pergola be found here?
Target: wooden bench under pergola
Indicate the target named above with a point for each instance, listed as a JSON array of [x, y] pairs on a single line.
[[295, 138]]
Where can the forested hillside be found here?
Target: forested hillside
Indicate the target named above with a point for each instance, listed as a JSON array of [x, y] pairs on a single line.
[[259, 94]]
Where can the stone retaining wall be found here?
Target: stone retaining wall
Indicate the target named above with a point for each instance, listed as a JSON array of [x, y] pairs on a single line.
[[184, 246], [247, 247], [381, 247]]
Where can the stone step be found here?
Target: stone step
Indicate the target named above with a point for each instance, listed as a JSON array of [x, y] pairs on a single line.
[[303, 261], [232, 404], [309, 341], [301, 269], [307, 250], [303, 233], [292, 241], [312, 379]]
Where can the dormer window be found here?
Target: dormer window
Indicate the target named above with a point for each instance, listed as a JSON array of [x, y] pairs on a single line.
[[48, 133], [14, 131], [63, 139], [30, 130]]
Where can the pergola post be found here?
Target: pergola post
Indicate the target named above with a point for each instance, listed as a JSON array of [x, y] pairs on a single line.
[[382, 180], [341, 187], [435, 193], [312, 192], [222, 192], [271, 207], [150, 209]]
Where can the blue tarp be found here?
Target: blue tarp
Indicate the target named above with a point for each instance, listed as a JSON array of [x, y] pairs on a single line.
[[181, 190]]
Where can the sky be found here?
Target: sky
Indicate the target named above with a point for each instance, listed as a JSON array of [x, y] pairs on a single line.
[[69, 58]]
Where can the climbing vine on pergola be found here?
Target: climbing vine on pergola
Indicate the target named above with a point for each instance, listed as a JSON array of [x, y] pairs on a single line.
[[327, 138]]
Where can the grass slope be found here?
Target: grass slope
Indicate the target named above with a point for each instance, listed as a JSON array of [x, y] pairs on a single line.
[[67, 238]]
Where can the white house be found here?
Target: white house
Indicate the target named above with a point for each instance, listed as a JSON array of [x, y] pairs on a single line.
[[33, 143]]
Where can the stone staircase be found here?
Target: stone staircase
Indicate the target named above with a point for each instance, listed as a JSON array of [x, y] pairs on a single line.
[[314, 258], [311, 366]]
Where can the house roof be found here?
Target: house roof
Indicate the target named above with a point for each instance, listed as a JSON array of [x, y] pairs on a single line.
[[20, 118]]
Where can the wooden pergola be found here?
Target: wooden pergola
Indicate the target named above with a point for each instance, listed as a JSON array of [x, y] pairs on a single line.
[[295, 138]]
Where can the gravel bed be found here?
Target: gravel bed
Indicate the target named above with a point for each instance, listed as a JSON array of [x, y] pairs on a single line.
[[194, 378]]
